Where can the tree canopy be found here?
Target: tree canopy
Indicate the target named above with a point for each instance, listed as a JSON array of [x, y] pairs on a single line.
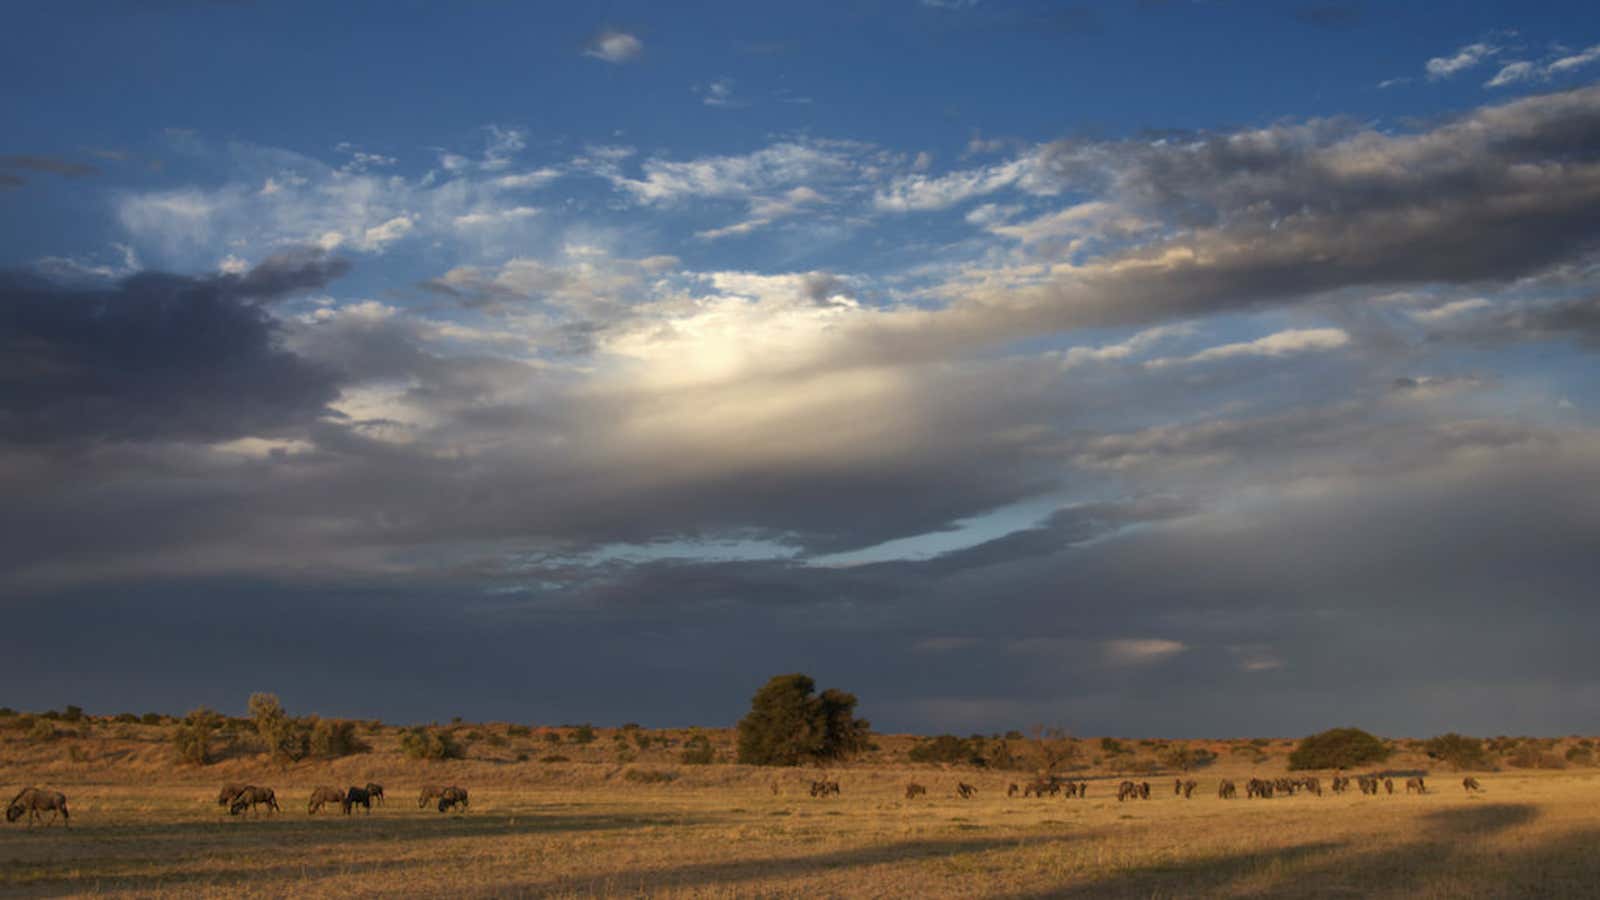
[[789, 724]]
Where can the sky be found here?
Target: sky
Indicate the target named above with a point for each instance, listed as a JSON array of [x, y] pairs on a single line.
[[1185, 369]]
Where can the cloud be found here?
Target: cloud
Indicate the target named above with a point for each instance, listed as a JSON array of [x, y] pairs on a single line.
[[50, 164], [157, 357], [614, 47], [1524, 71], [719, 93], [1141, 651], [1280, 344], [1469, 56]]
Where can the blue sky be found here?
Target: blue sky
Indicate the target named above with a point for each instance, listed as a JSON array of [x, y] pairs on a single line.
[[1002, 362]]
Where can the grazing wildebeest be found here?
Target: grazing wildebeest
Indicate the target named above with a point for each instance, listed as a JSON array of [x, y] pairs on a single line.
[[1312, 785], [966, 791], [251, 797], [33, 801], [1340, 783], [230, 791], [1415, 784], [321, 796], [1227, 790], [1470, 784], [915, 790], [1368, 784], [1144, 790], [1388, 785], [1011, 790], [357, 795], [434, 792], [1127, 790], [1177, 787], [1257, 787], [1041, 787], [453, 796], [824, 788], [375, 791], [1188, 788], [1076, 788]]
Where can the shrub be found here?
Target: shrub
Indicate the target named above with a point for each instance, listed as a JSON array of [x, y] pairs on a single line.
[[333, 738], [697, 751], [1112, 746], [583, 734], [518, 730], [553, 758], [72, 714], [522, 757], [650, 776], [7, 712], [152, 718], [1338, 748], [126, 718], [1458, 750], [285, 738], [552, 737], [1580, 756], [42, 730], [429, 743], [191, 741], [788, 724], [946, 748], [1180, 757]]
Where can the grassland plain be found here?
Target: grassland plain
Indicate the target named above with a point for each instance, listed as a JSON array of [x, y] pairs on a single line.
[[586, 827]]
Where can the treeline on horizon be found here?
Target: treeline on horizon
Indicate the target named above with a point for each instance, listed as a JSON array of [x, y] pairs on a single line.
[[788, 724]]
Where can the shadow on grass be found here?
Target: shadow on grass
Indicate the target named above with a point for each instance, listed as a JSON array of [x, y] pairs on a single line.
[[1442, 862]]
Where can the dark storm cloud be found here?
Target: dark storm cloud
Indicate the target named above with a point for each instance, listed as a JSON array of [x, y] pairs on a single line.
[[155, 356], [1576, 319]]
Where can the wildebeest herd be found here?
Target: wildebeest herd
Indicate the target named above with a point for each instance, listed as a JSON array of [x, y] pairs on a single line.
[[240, 798]]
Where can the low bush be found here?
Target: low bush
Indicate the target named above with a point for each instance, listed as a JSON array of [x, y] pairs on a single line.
[[429, 743], [697, 751], [554, 758], [1338, 748]]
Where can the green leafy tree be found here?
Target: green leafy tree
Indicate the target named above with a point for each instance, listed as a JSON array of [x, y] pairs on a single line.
[[1337, 748], [789, 724], [285, 738]]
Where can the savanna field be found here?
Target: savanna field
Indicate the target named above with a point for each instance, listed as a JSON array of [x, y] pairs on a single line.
[[574, 811]]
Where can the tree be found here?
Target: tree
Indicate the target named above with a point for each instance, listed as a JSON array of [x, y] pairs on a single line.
[[192, 739], [1458, 750], [1337, 748], [284, 737], [789, 724]]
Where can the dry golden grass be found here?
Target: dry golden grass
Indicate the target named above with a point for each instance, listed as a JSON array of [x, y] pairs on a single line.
[[143, 827]]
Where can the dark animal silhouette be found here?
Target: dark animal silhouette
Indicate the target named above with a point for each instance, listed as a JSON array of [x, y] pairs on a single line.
[[966, 791], [1388, 785], [1144, 790], [1188, 788], [375, 791], [1312, 785], [1470, 784], [1415, 784], [322, 796], [915, 790], [31, 801], [824, 788], [230, 791], [1340, 783], [357, 795], [1011, 790], [251, 797], [429, 793], [1227, 790], [1041, 787], [1127, 790], [453, 796]]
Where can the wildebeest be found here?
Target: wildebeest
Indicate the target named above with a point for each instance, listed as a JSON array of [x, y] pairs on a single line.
[[428, 793], [966, 791], [915, 790], [1258, 787], [1177, 787], [1388, 785], [354, 796], [824, 788], [1340, 782], [1011, 790], [1415, 784], [251, 797], [322, 796], [1076, 788], [33, 801], [1368, 784], [453, 796], [1144, 790], [1042, 786], [1227, 790], [1188, 788], [1470, 784], [375, 791], [230, 791], [1312, 785], [1127, 790]]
